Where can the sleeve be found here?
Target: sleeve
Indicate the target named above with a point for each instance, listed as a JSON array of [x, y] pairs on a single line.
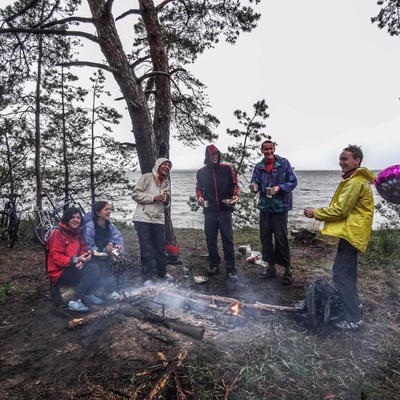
[[291, 181], [199, 186], [234, 182], [57, 250], [341, 208], [139, 192], [116, 237], [83, 245], [89, 235]]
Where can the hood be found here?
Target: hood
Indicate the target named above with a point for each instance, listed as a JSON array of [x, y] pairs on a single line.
[[366, 173], [210, 150], [159, 161], [88, 217]]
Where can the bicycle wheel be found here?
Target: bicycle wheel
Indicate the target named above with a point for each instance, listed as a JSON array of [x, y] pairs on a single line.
[[44, 220], [12, 229]]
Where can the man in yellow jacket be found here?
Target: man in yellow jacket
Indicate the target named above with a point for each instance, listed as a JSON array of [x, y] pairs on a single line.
[[349, 217]]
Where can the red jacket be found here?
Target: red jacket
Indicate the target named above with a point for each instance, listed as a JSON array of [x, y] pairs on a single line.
[[60, 250]]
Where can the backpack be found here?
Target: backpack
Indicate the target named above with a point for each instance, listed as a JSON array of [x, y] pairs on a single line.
[[321, 305]]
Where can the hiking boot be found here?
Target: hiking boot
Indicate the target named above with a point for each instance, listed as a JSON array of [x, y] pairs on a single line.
[[287, 279], [148, 283], [92, 299], [231, 276], [268, 273], [212, 270], [168, 277], [112, 296], [349, 325], [77, 305]]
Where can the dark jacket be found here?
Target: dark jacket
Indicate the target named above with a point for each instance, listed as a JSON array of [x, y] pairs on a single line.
[[282, 175], [216, 182]]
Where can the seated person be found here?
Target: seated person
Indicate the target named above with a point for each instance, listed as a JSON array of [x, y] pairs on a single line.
[[67, 261], [102, 236]]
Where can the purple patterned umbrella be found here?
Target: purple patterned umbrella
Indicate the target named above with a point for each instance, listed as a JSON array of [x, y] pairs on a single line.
[[387, 184]]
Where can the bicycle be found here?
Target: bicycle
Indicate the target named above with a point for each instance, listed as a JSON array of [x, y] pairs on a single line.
[[46, 219], [9, 218]]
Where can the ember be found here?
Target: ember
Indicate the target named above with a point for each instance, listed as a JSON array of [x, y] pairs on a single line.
[[234, 309]]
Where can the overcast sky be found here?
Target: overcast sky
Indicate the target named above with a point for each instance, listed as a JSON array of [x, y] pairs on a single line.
[[329, 77]]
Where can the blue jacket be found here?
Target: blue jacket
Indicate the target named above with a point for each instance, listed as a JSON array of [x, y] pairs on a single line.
[[282, 175], [89, 233]]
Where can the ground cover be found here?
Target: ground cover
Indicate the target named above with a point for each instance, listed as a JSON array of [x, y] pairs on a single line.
[[267, 355]]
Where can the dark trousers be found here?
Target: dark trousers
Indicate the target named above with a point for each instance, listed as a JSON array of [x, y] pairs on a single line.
[[274, 238], [215, 221], [86, 279], [151, 242], [345, 279], [104, 272]]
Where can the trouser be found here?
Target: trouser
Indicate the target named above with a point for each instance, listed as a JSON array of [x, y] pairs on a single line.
[[274, 238], [345, 278], [215, 221], [104, 273], [86, 279], [152, 242]]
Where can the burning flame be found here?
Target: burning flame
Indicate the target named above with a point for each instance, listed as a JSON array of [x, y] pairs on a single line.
[[235, 308]]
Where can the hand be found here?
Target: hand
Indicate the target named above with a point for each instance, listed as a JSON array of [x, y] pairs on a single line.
[[235, 197], [309, 212], [159, 198], [276, 189], [200, 200], [84, 257], [79, 265], [109, 247]]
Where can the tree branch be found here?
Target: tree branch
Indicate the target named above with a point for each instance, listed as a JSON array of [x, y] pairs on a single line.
[[67, 20], [52, 32], [88, 64]]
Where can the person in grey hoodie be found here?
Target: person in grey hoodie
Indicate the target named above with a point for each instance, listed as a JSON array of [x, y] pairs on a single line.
[[152, 193]]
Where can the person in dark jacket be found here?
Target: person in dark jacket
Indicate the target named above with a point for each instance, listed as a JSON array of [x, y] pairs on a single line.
[[216, 182], [67, 261], [273, 178]]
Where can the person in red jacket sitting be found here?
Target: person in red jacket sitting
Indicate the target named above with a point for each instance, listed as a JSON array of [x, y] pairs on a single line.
[[66, 261]]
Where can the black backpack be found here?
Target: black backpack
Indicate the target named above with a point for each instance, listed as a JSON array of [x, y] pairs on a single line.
[[321, 305]]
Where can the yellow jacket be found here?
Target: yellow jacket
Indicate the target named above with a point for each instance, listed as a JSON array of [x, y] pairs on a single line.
[[351, 211]]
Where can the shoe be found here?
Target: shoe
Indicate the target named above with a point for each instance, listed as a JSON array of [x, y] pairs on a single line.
[[168, 277], [148, 283], [287, 279], [77, 305], [268, 274], [231, 276], [349, 325], [187, 272], [212, 270], [112, 296], [92, 299]]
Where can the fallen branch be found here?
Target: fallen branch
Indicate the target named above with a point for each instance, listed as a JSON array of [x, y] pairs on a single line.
[[190, 330], [229, 388], [87, 318], [212, 299]]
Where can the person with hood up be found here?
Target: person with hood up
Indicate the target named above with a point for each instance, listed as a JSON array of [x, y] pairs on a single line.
[[216, 182], [102, 236], [152, 193], [67, 261], [273, 178], [349, 217]]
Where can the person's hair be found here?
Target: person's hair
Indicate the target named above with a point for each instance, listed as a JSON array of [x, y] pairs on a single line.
[[268, 141], [355, 151], [69, 213], [98, 206]]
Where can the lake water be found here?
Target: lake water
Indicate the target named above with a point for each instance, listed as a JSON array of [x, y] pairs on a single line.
[[314, 189]]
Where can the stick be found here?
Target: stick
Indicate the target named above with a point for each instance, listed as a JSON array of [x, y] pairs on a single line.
[[87, 318]]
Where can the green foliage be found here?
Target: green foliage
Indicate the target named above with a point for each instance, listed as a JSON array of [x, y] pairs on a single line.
[[6, 290], [384, 248]]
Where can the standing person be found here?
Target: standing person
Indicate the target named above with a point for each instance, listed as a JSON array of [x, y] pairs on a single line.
[[274, 179], [102, 236], [214, 183], [349, 217], [152, 193], [67, 261]]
